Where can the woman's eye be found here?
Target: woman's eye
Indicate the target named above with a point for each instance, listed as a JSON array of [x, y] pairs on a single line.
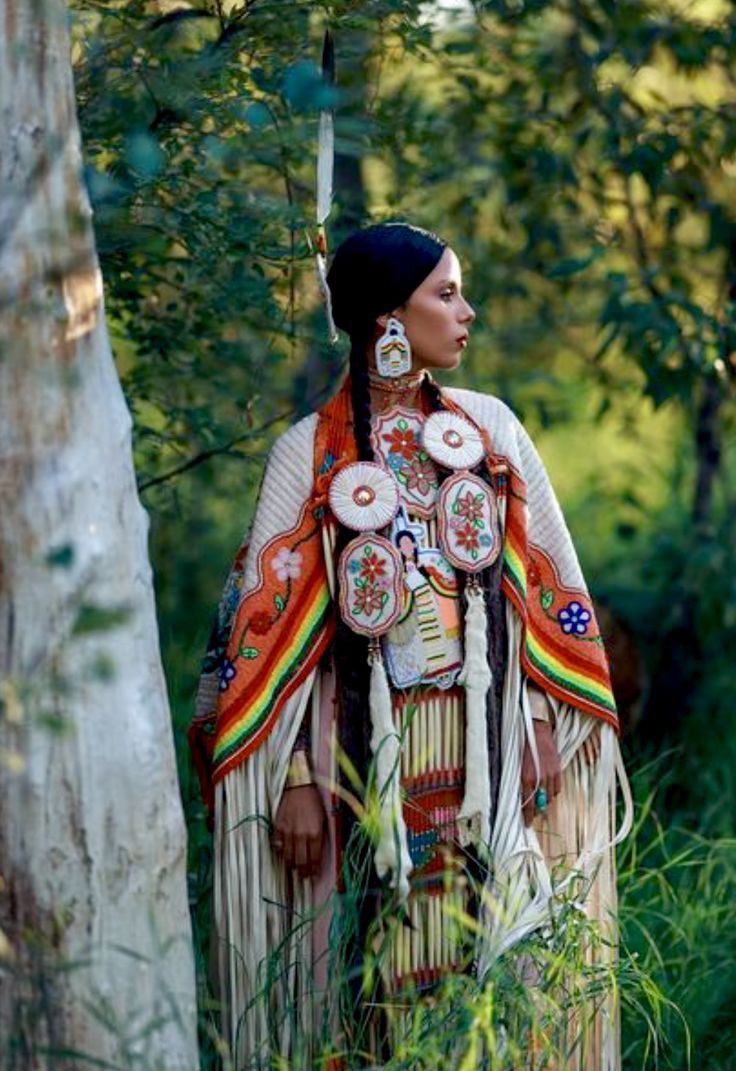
[[446, 295]]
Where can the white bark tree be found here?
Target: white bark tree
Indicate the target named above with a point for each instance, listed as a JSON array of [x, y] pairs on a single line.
[[95, 944]]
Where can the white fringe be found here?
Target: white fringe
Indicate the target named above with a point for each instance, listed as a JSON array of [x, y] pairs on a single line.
[[474, 818], [578, 831], [255, 906], [392, 850]]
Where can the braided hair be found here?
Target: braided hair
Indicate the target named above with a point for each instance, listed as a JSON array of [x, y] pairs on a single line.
[[375, 270]]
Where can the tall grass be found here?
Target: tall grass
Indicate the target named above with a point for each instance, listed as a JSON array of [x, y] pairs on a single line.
[[674, 975]]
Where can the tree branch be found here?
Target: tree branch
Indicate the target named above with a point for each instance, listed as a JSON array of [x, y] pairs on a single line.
[[224, 448]]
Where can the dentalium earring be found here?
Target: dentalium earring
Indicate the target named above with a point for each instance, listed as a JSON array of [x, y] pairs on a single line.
[[393, 351]]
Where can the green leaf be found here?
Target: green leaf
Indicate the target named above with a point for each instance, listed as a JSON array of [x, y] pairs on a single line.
[[144, 154], [546, 598], [279, 603], [249, 652]]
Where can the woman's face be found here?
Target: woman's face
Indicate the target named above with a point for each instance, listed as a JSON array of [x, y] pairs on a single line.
[[437, 317], [407, 548]]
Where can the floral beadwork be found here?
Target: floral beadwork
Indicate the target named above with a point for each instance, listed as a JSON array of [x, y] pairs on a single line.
[[469, 506], [287, 564], [371, 567], [260, 623], [371, 589], [419, 475], [402, 441], [228, 673], [467, 522], [467, 537], [574, 618], [397, 442]]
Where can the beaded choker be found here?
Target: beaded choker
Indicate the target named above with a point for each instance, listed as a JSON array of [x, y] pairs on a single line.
[[412, 381]]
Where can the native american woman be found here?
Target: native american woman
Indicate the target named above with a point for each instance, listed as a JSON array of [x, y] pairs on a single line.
[[408, 614]]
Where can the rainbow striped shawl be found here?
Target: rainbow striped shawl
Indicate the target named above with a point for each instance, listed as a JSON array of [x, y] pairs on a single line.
[[282, 618]]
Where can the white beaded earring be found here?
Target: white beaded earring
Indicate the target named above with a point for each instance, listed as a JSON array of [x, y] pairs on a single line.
[[393, 351]]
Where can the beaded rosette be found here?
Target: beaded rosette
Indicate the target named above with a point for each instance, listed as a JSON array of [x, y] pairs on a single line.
[[467, 517], [364, 497]]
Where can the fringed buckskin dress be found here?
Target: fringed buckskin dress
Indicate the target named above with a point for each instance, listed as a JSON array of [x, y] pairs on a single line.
[[274, 667]]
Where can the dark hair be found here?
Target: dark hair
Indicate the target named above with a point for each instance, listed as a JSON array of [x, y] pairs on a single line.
[[374, 271], [406, 534]]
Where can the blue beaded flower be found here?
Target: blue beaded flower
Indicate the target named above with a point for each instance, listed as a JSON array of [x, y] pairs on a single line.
[[574, 618], [227, 673]]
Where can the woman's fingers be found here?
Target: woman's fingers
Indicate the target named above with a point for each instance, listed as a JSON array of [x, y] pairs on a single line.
[[548, 765], [528, 791], [299, 829], [307, 854], [314, 849], [288, 852], [556, 784], [301, 857]]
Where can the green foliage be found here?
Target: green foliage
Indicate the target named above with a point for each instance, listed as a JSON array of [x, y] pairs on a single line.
[[579, 156], [678, 927]]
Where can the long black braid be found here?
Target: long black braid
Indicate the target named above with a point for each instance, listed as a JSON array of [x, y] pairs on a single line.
[[350, 650], [376, 270], [360, 397]]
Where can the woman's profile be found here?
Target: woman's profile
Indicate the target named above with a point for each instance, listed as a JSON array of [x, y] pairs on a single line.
[[409, 614]]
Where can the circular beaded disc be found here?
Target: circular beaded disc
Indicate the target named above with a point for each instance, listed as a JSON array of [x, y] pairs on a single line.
[[452, 441], [364, 497]]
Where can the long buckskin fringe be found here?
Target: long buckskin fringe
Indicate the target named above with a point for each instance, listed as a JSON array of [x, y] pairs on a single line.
[[258, 908]]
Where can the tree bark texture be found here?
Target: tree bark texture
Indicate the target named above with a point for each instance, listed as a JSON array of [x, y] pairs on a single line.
[[95, 946]]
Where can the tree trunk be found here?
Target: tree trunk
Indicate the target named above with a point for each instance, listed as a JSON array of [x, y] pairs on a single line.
[[707, 450], [95, 943]]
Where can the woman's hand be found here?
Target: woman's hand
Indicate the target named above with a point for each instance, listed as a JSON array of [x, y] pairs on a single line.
[[299, 830], [550, 773]]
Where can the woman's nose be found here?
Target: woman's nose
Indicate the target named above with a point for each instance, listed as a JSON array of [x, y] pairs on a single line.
[[469, 313]]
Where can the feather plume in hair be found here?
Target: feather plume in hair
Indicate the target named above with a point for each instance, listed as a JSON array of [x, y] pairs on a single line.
[[325, 171]]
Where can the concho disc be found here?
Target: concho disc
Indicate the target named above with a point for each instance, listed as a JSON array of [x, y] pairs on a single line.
[[363, 496], [452, 441]]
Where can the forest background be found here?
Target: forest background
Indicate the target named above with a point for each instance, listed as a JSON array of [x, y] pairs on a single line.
[[580, 157]]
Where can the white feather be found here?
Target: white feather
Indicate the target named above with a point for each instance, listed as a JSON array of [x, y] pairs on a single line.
[[325, 165]]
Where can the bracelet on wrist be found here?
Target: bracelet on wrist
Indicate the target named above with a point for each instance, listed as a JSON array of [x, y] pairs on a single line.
[[300, 771]]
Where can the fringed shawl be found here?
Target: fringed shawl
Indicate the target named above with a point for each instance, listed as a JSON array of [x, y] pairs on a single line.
[[277, 619], [278, 610]]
